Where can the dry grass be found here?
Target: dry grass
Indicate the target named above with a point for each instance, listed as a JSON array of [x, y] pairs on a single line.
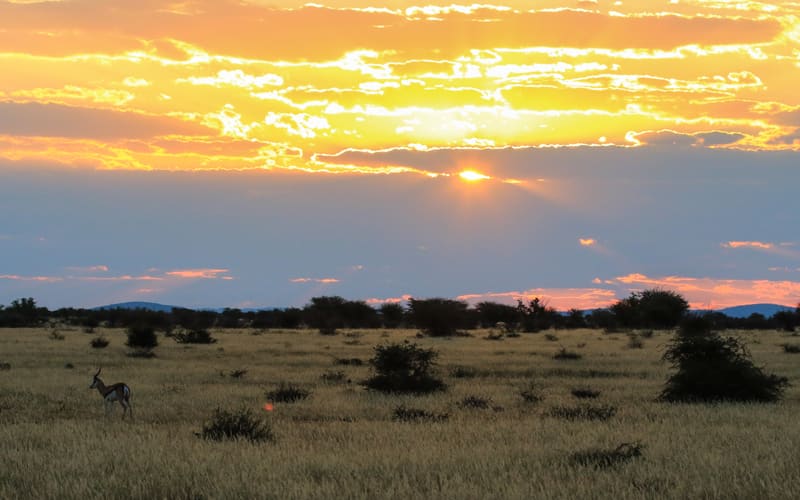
[[344, 442]]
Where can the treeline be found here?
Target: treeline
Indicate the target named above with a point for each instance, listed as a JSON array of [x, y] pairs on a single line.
[[650, 309]]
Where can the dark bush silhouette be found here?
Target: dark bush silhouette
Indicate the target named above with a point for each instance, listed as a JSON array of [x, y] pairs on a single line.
[[194, 336], [405, 414], [392, 315], [475, 403], [99, 342], [585, 393], [603, 412], [240, 424], [287, 393], [536, 316], [404, 368], [142, 337], [650, 309], [438, 317], [714, 368], [603, 458], [791, 348], [564, 354]]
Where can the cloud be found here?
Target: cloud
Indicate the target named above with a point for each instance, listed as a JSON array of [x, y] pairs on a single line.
[[748, 244], [559, 298], [40, 279], [713, 293], [587, 242], [88, 269], [325, 281], [193, 274], [678, 139], [56, 120]]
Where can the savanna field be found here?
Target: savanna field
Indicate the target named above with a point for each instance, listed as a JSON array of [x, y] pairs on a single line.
[[514, 422]]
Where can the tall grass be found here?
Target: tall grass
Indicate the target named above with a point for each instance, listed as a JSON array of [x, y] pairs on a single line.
[[348, 442]]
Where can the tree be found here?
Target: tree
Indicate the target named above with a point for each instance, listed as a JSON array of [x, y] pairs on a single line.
[[492, 313], [536, 316], [660, 309], [392, 314], [21, 313], [714, 368], [438, 317]]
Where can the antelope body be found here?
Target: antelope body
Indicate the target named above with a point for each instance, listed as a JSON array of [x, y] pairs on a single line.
[[111, 393]]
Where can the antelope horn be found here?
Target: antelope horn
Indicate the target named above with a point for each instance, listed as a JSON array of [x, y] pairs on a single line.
[[98, 372]]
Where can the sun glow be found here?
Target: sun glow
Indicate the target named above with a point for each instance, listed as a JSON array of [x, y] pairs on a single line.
[[472, 176]]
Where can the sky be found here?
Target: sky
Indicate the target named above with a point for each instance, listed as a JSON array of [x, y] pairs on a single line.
[[257, 153]]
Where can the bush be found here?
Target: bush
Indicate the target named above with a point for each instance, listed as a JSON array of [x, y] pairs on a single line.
[[713, 368], [238, 373], [550, 337], [348, 361], [791, 348], [463, 372], [635, 342], [332, 377], [603, 412], [404, 368], [56, 335], [475, 403], [404, 414], [194, 336], [142, 337], [531, 394], [603, 458], [563, 353], [5, 366], [241, 424], [583, 393], [438, 317], [287, 393], [99, 342]]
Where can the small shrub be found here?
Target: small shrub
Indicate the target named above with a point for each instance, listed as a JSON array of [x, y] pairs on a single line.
[[142, 337], [238, 373], [531, 394], [404, 368], [713, 368], [563, 353], [646, 334], [328, 330], [551, 337], [332, 377], [475, 403], [495, 336], [69, 366], [195, 336], [5, 366], [635, 342], [603, 412], [288, 393], [791, 348], [99, 342], [585, 393], [348, 361], [240, 424], [463, 372], [56, 335], [141, 353], [404, 414], [604, 458]]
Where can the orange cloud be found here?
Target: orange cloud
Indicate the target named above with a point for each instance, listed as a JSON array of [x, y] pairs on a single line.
[[41, 279], [711, 293], [748, 244], [587, 242], [208, 274], [314, 280], [559, 298]]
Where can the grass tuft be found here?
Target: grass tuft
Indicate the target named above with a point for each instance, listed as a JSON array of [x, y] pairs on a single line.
[[241, 424], [604, 458], [405, 414], [287, 393], [571, 413]]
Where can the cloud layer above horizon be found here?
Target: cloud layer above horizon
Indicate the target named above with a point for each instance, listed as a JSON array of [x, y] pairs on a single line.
[[225, 152]]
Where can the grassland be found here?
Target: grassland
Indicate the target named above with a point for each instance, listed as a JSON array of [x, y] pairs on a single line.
[[342, 442]]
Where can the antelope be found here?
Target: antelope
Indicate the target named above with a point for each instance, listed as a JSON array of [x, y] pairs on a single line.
[[115, 392]]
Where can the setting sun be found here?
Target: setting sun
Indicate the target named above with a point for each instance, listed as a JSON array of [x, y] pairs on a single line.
[[473, 176]]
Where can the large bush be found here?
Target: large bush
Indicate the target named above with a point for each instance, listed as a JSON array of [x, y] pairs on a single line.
[[404, 368], [714, 368], [438, 317], [241, 424], [142, 337], [651, 309]]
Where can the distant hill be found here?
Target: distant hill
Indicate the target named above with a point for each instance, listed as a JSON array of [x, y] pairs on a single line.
[[744, 311], [150, 306]]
